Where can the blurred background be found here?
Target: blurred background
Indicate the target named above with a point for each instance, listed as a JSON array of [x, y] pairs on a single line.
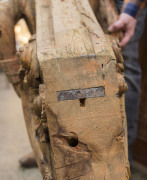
[[14, 142], [22, 33]]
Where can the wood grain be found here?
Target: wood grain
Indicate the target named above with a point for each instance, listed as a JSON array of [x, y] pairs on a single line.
[[87, 141], [81, 138]]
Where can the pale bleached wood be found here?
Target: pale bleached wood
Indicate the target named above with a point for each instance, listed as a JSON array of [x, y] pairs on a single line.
[[69, 20]]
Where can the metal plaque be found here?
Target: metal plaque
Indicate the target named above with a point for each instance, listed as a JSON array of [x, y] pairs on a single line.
[[81, 93]]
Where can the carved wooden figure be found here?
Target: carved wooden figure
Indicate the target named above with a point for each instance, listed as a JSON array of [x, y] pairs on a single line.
[[72, 86]]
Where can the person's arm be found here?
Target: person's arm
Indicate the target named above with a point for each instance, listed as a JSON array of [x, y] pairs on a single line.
[[133, 7], [127, 19]]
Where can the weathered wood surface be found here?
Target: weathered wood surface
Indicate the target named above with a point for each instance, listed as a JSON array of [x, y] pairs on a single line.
[[82, 138], [33, 107], [10, 12], [106, 13], [87, 141], [7, 40], [94, 5]]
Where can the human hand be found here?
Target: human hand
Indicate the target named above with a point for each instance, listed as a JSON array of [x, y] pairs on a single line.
[[127, 24]]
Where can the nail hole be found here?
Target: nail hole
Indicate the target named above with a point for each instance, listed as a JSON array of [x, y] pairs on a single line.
[[83, 102], [0, 33], [73, 141], [103, 76]]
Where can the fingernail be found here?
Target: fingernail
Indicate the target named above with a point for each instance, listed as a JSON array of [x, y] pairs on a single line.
[[110, 29]]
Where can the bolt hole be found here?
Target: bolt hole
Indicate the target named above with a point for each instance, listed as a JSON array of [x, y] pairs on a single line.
[[102, 65], [73, 141], [83, 102]]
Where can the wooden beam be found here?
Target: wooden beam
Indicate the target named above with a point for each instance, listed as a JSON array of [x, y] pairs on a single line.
[[87, 142]]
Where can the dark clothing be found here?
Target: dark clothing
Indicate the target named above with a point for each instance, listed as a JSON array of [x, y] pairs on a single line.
[[132, 76], [133, 7]]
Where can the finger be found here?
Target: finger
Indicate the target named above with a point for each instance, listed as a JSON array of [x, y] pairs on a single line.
[[118, 25], [125, 40]]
